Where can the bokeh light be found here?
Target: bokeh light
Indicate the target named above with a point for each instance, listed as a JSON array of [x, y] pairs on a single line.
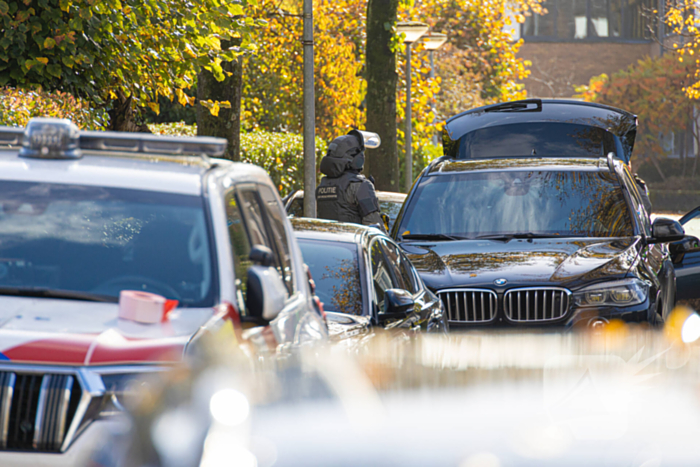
[[229, 407]]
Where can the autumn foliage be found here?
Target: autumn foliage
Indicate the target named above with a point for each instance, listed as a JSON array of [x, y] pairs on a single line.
[[655, 90], [104, 50], [683, 22], [273, 83], [17, 106], [479, 65]]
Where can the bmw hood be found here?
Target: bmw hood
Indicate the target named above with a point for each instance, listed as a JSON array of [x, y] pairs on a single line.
[[71, 332], [567, 263]]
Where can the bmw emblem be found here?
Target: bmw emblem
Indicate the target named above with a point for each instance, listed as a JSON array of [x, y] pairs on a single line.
[[500, 282]]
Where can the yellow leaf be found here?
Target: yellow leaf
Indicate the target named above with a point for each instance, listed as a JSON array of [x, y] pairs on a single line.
[[181, 97], [214, 109], [154, 107], [43, 60]]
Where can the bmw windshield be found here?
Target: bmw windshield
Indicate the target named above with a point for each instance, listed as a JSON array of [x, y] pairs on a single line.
[[71, 241], [525, 203]]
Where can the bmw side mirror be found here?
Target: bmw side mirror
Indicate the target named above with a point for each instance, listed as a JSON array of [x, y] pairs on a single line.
[[665, 230], [680, 248], [398, 304], [265, 289]]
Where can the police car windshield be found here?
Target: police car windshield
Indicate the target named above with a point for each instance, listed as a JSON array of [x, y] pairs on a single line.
[[541, 203], [101, 240]]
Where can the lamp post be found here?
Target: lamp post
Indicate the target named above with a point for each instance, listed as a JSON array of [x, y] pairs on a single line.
[[432, 42], [412, 31], [309, 113]]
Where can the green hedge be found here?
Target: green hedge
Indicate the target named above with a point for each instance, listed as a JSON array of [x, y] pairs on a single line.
[[280, 154]]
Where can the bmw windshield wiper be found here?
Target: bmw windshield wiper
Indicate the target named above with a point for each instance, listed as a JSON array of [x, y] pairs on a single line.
[[508, 237], [55, 293], [431, 237]]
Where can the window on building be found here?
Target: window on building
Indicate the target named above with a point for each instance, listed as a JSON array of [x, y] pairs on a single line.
[[591, 20], [678, 144]]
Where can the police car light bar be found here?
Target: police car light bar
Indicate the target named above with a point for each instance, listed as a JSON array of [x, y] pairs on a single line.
[[54, 138]]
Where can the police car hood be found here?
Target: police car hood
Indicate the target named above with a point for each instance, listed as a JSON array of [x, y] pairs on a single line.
[[72, 332]]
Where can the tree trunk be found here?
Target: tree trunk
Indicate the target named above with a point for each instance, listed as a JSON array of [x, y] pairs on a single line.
[[228, 123], [122, 118], [382, 79], [658, 167]]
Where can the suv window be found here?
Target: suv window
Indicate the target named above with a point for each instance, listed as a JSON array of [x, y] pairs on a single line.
[[335, 269], [253, 213], [296, 207], [555, 203], [544, 139], [638, 204], [240, 247], [402, 268], [381, 272], [275, 214], [265, 226]]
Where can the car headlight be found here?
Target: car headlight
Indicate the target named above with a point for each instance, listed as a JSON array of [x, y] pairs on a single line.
[[626, 292], [122, 390]]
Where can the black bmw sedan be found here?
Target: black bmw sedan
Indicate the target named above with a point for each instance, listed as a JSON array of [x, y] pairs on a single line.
[[364, 279], [543, 241]]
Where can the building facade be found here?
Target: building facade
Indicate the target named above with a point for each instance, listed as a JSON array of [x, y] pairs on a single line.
[[578, 39]]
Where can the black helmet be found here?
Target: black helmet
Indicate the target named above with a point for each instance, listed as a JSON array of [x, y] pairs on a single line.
[[345, 152]]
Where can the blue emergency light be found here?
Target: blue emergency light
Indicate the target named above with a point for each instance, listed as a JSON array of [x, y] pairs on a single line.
[[55, 138]]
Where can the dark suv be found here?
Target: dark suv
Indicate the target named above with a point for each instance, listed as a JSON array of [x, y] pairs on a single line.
[[523, 236]]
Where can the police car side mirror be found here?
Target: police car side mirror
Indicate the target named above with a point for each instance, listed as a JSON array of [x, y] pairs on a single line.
[[261, 255], [398, 304], [265, 291]]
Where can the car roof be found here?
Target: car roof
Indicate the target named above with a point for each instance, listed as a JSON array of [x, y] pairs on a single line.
[[321, 229], [445, 166], [391, 196], [381, 196], [619, 122], [161, 173]]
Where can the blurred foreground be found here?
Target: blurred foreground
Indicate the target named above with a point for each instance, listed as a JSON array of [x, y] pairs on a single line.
[[617, 395]]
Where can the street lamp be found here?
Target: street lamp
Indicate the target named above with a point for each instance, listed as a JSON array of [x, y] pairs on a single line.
[[432, 42], [309, 112], [412, 31]]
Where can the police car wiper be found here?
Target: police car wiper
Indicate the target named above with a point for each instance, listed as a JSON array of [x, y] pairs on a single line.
[[509, 237], [431, 237], [43, 292]]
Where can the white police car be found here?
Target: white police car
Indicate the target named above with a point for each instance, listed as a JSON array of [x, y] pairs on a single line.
[[87, 215]]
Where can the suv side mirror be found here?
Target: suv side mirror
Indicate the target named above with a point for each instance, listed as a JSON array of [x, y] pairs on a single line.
[[398, 303], [665, 230], [266, 292], [680, 248]]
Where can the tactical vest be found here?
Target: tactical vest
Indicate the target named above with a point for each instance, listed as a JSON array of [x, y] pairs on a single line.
[[332, 199]]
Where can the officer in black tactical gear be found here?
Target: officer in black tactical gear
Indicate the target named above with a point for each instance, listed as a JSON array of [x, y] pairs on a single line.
[[343, 194]]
